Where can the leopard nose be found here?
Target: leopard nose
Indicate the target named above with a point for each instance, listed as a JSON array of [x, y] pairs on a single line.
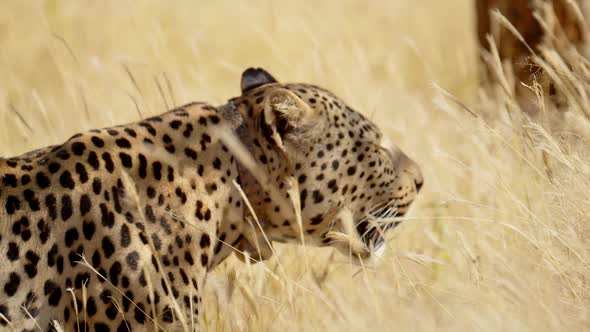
[[404, 164], [411, 169], [418, 185]]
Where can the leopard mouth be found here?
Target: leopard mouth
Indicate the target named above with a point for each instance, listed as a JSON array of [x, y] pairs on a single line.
[[363, 240], [372, 230]]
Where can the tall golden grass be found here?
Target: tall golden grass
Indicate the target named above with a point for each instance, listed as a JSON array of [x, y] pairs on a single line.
[[497, 241]]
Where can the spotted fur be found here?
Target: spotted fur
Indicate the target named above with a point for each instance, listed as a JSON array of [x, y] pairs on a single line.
[[151, 206]]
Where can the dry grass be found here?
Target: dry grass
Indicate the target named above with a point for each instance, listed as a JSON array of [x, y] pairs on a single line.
[[499, 239]]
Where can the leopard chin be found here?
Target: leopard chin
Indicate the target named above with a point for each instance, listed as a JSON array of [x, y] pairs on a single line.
[[368, 257]]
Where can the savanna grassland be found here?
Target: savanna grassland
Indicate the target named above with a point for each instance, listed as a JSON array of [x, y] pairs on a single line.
[[499, 237]]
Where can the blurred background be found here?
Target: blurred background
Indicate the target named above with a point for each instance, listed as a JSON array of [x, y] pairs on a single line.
[[76, 65], [497, 241]]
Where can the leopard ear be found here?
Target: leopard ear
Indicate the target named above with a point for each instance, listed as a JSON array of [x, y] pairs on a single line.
[[255, 77], [287, 117]]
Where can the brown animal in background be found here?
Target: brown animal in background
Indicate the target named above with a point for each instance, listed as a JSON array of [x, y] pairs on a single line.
[[520, 14]]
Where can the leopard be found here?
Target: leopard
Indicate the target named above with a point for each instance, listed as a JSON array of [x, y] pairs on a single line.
[[116, 229]]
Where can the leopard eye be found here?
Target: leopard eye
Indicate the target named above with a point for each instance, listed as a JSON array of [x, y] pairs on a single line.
[[386, 146]]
